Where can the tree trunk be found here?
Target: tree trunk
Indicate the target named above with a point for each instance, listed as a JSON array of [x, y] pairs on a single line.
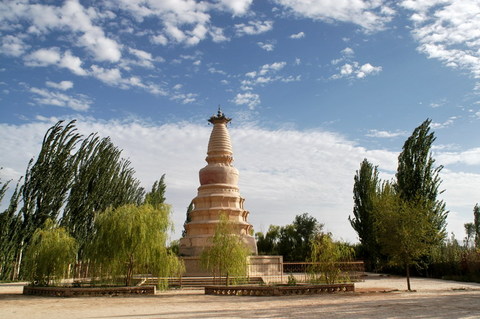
[[408, 277]]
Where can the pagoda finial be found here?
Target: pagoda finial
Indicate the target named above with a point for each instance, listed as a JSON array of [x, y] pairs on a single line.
[[220, 117]]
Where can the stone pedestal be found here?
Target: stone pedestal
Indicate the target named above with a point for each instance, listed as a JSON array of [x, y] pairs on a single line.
[[218, 194]]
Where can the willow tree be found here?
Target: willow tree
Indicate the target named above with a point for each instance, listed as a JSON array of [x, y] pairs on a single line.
[[364, 190], [417, 178], [132, 239], [227, 255], [325, 256], [49, 255]]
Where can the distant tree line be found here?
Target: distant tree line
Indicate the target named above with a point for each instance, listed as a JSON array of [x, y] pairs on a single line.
[[73, 180]]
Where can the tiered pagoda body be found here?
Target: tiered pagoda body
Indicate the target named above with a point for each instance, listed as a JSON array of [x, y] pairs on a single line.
[[218, 194]]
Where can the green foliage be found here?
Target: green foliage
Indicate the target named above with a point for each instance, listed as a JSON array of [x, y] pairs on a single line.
[[156, 196], [292, 241], [291, 281], [227, 255], [267, 244], [132, 239], [405, 229], [417, 180], [49, 255], [325, 257], [72, 177], [476, 225], [187, 219], [48, 180], [10, 236], [364, 191], [102, 179]]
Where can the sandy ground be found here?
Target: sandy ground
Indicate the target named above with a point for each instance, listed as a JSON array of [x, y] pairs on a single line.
[[377, 297]]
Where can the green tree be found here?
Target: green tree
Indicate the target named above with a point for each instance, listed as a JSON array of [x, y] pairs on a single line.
[[48, 180], [418, 180], [227, 255], [364, 190], [132, 239], [157, 195], [102, 179], [404, 228], [268, 244], [295, 239], [10, 236], [470, 232], [476, 225], [187, 219], [325, 256], [49, 255]]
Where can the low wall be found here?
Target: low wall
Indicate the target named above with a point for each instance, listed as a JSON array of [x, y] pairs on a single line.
[[278, 290], [88, 291], [257, 266]]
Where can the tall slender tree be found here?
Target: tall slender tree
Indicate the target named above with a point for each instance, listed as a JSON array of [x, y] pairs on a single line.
[[49, 179], [418, 179], [364, 190], [102, 179], [476, 225]]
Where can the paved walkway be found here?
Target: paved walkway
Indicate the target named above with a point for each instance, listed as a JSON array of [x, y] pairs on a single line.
[[433, 299]]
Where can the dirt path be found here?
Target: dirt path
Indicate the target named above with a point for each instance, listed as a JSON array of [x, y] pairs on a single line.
[[433, 299]]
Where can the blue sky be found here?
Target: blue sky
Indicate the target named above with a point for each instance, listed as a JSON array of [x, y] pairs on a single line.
[[313, 88]]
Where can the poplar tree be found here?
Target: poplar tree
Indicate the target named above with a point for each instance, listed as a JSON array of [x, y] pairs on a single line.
[[364, 190], [102, 179], [157, 195], [417, 178], [476, 225]]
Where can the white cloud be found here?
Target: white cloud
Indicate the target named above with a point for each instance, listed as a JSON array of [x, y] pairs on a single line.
[[159, 39], [386, 134], [282, 172], [298, 35], [43, 57], [348, 51], [367, 69], [447, 123], [43, 19], [253, 27], [185, 98], [468, 157], [250, 99], [217, 34], [371, 15], [355, 70], [13, 46], [72, 63], [110, 76], [266, 46], [237, 7], [448, 30], [45, 97], [62, 85]]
